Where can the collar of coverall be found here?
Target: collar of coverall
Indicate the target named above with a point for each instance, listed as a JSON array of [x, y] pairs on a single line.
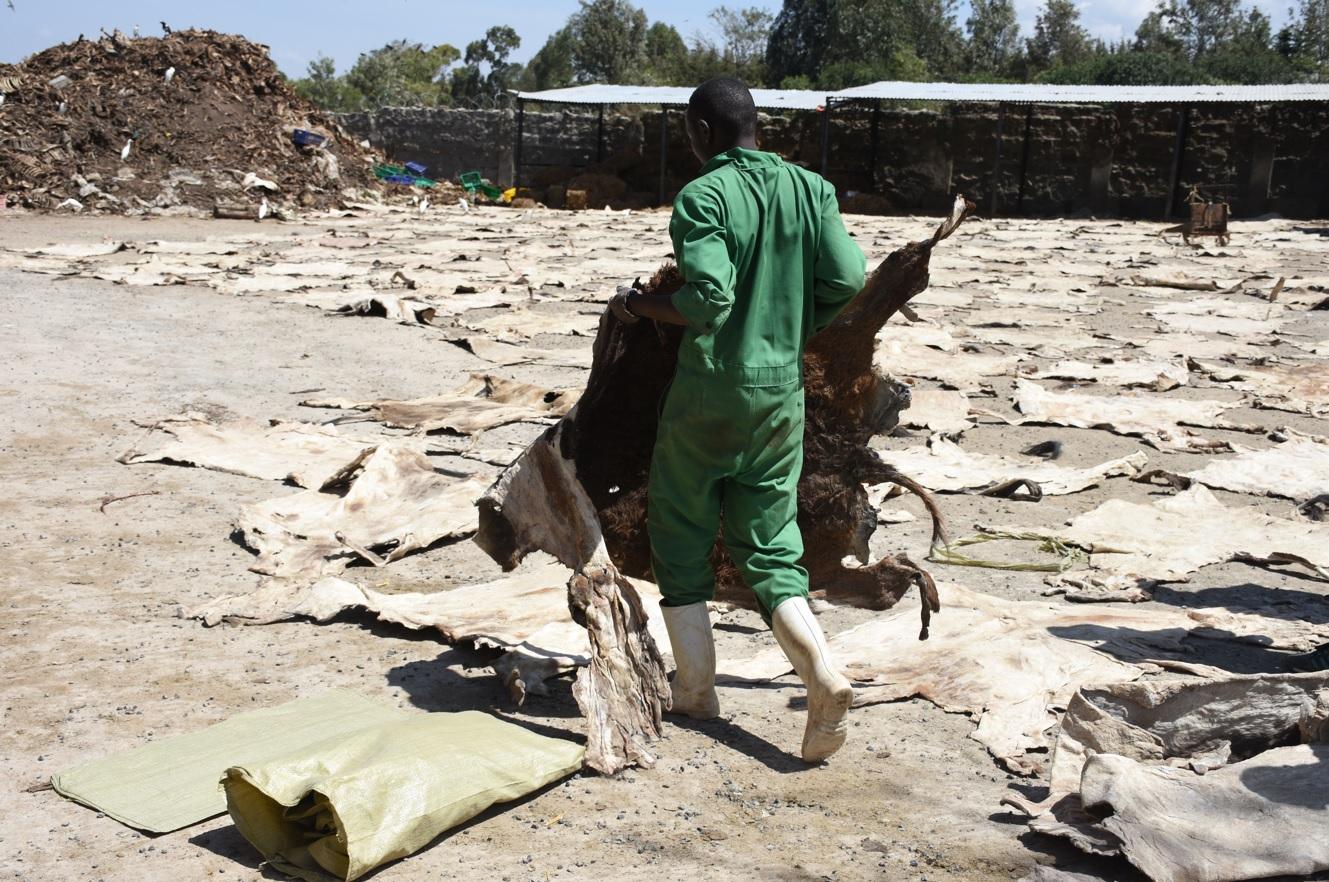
[[741, 156]]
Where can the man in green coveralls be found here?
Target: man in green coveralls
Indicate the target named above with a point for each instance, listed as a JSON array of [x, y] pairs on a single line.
[[767, 262]]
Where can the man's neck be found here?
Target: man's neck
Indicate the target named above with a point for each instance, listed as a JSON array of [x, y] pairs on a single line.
[[748, 143]]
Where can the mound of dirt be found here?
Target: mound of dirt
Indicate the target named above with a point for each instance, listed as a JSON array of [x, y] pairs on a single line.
[[190, 119]]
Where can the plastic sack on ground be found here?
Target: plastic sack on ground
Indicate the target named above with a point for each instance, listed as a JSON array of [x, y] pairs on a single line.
[[341, 807]]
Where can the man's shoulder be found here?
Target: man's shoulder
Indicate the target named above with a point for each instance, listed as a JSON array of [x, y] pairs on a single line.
[[708, 188], [810, 179]]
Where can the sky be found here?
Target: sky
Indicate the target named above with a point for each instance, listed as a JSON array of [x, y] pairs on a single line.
[[299, 30]]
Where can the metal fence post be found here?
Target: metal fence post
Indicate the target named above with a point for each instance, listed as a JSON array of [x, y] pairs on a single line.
[[521, 120]]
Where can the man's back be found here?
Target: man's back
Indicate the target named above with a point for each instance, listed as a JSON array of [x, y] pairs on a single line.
[[767, 263]]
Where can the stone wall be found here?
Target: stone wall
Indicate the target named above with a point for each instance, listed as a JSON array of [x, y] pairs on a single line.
[[1053, 160]]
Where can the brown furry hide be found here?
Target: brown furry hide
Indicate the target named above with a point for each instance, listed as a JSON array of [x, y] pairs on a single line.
[[610, 434]]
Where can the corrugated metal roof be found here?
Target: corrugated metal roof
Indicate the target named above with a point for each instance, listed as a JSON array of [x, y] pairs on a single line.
[[1011, 93], [1042, 93], [671, 96]]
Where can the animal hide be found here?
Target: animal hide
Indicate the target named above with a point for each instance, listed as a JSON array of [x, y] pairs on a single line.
[[1300, 387], [307, 455], [945, 466], [525, 613], [398, 504], [602, 449], [1177, 535], [938, 411], [1159, 421], [482, 403], [1298, 468], [1157, 375], [1194, 780], [1012, 664]]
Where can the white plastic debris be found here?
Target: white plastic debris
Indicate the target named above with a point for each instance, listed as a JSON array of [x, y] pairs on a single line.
[[170, 74], [263, 209], [124, 154], [71, 204], [59, 82], [254, 182], [461, 203], [424, 206]]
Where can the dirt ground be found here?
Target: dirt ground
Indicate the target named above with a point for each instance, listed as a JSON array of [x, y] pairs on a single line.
[[96, 658]]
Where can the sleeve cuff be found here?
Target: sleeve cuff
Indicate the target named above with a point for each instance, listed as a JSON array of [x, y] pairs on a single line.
[[704, 316]]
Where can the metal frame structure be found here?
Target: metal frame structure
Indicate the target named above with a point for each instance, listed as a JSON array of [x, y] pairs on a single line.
[[664, 97], [1183, 98]]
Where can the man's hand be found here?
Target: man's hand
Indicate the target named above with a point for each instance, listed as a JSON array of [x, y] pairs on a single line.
[[618, 304]]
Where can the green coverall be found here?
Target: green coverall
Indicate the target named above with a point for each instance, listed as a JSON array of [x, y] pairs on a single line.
[[767, 262]]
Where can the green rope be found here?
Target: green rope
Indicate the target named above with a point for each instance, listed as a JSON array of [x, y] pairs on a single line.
[[1068, 555]]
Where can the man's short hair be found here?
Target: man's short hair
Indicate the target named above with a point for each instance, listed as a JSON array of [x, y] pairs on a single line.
[[726, 104]]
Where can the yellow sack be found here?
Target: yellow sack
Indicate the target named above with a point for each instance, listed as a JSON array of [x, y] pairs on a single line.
[[341, 807]]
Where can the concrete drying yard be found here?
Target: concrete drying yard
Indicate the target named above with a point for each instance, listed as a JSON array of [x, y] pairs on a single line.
[[113, 324]]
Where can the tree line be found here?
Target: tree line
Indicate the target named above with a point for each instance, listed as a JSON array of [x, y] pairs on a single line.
[[834, 44]]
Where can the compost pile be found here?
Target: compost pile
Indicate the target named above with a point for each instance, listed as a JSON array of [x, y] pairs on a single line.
[[207, 118]]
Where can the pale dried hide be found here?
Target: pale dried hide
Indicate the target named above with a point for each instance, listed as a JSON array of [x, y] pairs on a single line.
[[1177, 535], [1159, 421], [918, 334], [1196, 346], [1298, 468], [508, 354], [1226, 325], [1195, 780], [304, 454], [1042, 341], [520, 325], [482, 403], [399, 309], [1300, 387], [1159, 376], [538, 504], [944, 466], [398, 504], [1013, 664], [526, 613], [965, 371], [938, 411]]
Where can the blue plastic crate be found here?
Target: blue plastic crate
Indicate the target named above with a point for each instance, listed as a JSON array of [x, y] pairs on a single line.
[[416, 169], [308, 139]]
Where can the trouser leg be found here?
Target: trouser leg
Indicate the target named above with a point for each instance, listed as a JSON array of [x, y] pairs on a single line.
[[760, 501], [683, 506]]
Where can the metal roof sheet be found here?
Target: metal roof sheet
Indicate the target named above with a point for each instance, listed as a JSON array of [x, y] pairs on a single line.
[[671, 96], [1043, 93], [1011, 93]]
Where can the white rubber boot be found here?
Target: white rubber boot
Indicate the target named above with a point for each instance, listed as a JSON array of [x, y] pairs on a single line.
[[829, 692], [694, 657]]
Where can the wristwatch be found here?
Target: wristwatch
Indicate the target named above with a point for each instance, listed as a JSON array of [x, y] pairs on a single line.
[[627, 303]]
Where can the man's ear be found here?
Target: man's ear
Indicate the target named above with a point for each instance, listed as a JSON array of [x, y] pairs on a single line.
[[705, 133]]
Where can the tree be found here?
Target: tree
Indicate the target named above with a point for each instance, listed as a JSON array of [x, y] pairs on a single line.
[[666, 55], [798, 40], [1059, 38], [403, 74], [902, 64], [608, 41], [551, 67], [872, 31], [744, 33], [487, 73], [327, 91], [1192, 27], [994, 35], [1305, 40], [1131, 67]]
